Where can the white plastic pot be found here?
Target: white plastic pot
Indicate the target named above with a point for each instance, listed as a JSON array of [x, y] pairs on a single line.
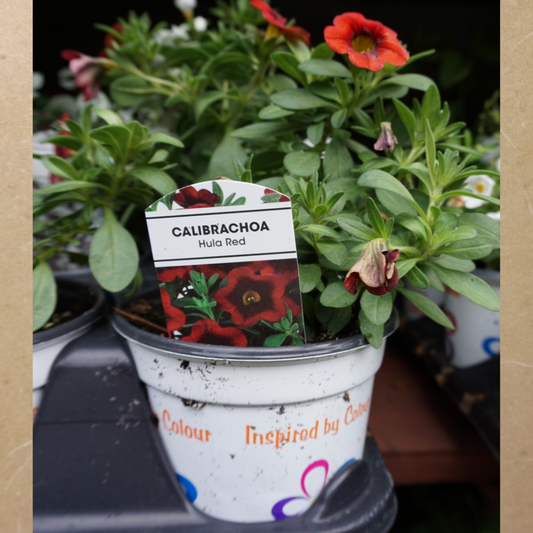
[[48, 343], [254, 434], [476, 337]]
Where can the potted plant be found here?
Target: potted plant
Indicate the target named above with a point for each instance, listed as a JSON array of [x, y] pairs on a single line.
[[366, 218], [105, 172]]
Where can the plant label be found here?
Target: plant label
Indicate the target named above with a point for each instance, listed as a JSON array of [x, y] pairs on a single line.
[[225, 257]]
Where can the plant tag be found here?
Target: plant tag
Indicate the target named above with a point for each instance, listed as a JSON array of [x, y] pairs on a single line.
[[225, 257]]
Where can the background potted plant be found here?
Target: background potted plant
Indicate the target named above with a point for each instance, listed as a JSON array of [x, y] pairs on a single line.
[[367, 214]]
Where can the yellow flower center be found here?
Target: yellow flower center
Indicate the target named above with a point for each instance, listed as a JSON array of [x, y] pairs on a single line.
[[251, 297], [480, 187], [363, 43]]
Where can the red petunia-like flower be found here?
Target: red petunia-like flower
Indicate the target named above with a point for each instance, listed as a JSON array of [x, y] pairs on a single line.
[[207, 331], [88, 71], [190, 198], [250, 297], [368, 43], [175, 317], [290, 33], [375, 268], [282, 197], [287, 269], [168, 275]]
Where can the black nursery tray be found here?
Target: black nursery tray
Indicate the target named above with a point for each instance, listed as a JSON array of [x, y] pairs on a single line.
[[99, 464], [475, 390]]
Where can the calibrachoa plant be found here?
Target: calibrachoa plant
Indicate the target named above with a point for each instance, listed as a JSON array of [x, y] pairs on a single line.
[[374, 177]]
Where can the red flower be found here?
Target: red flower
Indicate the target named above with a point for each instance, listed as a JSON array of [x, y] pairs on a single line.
[[175, 317], [375, 268], [290, 33], [286, 269], [250, 297], [168, 275], [109, 38], [207, 331], [282, 197], [88, 71], [190, 198], [60, 151], [368, 43]]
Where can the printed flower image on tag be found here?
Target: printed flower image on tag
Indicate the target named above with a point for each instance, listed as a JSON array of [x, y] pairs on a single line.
[[226, 265]]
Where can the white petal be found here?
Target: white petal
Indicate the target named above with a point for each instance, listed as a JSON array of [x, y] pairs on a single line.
[[472, 203], [185, 5], [200, 24]]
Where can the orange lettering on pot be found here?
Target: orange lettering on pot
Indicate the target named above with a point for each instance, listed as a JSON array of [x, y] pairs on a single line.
[[178, 428], [353, 413]]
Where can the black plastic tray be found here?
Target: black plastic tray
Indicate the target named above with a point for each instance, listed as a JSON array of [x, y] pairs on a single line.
[[99, 464]]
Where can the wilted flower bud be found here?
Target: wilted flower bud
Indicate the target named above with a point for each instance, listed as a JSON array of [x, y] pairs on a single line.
[[386, 139], [375, 268]]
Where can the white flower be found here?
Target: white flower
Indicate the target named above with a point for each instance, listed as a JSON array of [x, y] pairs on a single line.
[[41, 175], [174, 71], [495, 216], [200, 24], [185, 5], [166, 37], [480, 184], [38, 80]]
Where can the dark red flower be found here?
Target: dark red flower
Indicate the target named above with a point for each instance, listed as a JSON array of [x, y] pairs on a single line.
[[282, 197], [190, 198], [287, 269], [250, 297], [61, 151], [292, 298], [88, 71], [175, 317], [290, 33], [168, 275], [207, 331], [368, 43], [375, 268]]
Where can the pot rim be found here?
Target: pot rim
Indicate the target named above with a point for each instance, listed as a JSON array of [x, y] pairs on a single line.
[[239, 354], [87, 318]]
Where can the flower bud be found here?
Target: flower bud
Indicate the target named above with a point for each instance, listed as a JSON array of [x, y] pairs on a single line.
[[375, 268], [386, 139]]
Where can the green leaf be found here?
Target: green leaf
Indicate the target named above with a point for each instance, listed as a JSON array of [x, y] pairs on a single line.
[[338, 162], [466, 192], [395, 203], [431, 153], [66, 142], [319, 230], [69, 186], [483, 224], [297, 99], [413, 81], [475, 248], [336, 295], [334, 251], [431, 105], [275, 340], [116, 137], [155, 178], [166, 139], [404, 266], [470, 286], [357, 229], [432, 277], [272, 112], [375, 218], [377, 308], [338, 118], [58, 166], [113, 255], [407, 117], [372, 333], [459, 234], [130, 90], [110, 117], [325, 67], [44, 295], [309, 277], [302, 163], [429, 308], [260, 130], [453, 263], [205, 100], [417, 278], [289, 64], [221, 163], [377, 179], [315, 132], [414, 224], [339, 319]]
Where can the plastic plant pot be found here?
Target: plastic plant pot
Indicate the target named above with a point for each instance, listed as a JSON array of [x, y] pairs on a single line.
[[254, 434], [48, 343], [476, 337]]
